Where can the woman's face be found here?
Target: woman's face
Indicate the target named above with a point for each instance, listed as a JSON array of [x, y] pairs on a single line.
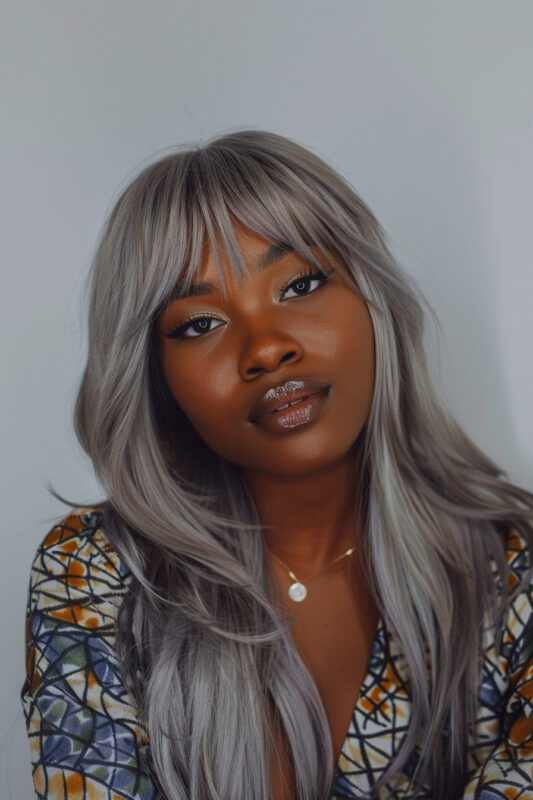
[[278, 378]]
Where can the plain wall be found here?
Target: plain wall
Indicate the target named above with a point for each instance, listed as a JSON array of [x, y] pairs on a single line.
[[426, 107]]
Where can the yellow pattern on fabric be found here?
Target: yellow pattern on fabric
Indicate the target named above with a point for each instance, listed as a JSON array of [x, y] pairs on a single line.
[[86, 740]]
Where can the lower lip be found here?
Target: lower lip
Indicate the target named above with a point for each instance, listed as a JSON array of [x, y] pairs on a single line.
[[296, 416]]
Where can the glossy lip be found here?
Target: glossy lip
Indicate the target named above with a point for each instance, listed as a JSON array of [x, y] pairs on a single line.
[[296, 416], [283, 396]]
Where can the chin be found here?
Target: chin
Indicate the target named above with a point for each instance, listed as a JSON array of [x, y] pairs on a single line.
[[300, 462]]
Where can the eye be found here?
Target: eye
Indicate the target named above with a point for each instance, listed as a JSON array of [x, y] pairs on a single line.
[[303, 284], [193, 328]]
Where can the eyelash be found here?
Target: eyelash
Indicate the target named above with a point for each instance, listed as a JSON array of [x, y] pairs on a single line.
[[308, 275]]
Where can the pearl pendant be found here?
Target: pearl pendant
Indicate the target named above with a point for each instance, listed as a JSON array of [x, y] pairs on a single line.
[[297, 592]]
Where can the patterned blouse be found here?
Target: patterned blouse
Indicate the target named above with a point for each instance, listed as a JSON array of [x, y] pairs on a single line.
[[86, 740]]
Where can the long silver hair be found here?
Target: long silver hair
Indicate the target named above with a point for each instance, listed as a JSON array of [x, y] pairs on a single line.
[[206, 657]]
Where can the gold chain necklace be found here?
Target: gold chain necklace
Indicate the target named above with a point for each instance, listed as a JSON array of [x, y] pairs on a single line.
[[298, 590]]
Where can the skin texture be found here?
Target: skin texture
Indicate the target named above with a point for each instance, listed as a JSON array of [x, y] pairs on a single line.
[[266, 331]]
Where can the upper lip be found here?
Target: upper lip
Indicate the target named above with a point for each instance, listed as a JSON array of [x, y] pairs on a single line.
[[281, 394]]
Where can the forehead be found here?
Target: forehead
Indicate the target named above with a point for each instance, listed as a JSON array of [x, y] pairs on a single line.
[[217, 267], [257, 253], [249, 255]]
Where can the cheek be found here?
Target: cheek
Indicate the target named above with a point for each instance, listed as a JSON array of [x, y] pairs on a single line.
[[201, 393], [356, 354], [351, 341], [363, 353]]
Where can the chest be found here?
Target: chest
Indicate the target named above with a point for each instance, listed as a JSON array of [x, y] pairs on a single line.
[[333, 629], [334, 633]]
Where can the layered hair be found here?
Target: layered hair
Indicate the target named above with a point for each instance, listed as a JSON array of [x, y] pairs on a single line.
[[205, 654]]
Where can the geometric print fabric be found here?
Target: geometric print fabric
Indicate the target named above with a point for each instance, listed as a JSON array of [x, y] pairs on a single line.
[[87, 743]]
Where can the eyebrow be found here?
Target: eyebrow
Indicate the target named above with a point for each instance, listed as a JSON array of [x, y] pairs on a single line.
[[274, 254], [194, 290]]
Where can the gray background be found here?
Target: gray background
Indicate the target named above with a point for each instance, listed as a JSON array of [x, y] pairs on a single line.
[[426, 107]]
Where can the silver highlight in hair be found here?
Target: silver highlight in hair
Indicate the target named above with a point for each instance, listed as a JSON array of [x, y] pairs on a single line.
[[205, 655]]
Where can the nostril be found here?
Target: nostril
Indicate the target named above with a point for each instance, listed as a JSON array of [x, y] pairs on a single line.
[[288, 356], [267, 358]]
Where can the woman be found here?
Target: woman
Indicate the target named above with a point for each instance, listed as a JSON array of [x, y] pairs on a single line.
[[305, 581]]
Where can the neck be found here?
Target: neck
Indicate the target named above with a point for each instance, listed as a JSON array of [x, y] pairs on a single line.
[[308, 521]]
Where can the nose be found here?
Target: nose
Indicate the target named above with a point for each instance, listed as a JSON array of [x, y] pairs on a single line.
[[265, 352]]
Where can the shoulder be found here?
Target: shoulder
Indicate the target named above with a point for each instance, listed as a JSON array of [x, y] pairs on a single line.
[[519, 557], [501, 761], [76, 569], [80, 531], [86, 735], [519, 574], [509, 651], [77, 585], [517, 641]]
